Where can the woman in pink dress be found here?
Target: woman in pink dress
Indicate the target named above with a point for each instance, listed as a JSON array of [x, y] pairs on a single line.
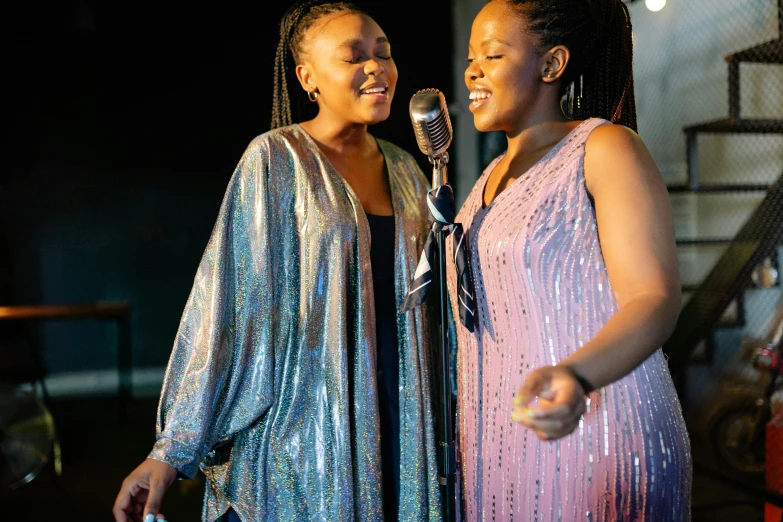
[[566, 409]]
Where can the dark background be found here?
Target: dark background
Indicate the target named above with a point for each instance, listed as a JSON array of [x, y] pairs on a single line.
[[126, 122]]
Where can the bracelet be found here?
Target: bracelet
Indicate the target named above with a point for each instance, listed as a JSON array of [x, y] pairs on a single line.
[[584, 383]]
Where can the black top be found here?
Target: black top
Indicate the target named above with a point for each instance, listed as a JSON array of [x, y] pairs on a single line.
[[382, 258]]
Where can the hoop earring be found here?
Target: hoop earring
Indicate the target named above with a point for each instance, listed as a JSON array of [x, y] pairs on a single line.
[[567, 102], [312, 96]]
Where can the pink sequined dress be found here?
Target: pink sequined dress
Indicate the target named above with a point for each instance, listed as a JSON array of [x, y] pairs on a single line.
[[542, 292]]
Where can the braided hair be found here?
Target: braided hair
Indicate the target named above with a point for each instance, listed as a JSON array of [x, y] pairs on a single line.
[[290, 103], [598, 80]]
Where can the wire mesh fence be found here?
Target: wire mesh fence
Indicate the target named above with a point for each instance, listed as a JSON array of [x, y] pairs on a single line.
[[709, 88]]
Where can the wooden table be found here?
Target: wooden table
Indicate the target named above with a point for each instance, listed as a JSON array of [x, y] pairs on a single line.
[[118, 312]]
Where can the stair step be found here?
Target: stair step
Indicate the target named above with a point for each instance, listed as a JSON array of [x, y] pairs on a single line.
[[768, 52], [704, 241], [719, 187], [761, 235], [728, 126]]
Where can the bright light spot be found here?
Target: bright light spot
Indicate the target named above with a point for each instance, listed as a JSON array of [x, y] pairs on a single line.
[[655, 5]]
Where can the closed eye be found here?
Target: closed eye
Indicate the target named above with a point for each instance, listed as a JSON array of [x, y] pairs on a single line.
[[363, 58], [492, 57]]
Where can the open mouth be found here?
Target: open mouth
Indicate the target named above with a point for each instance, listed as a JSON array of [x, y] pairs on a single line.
[[479, 97], [378, 91]]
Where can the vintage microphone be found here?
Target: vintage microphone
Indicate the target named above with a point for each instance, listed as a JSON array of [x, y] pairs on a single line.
[[432, 127]]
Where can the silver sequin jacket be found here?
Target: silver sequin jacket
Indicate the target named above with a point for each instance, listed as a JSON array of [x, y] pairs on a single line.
[[270, 389]]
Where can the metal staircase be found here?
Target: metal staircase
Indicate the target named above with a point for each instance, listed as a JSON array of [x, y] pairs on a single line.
[[758, 239]]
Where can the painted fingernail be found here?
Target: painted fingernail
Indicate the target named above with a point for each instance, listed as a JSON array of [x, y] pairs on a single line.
[[516, 416], [518, 400], [149, 518], [530, 414]]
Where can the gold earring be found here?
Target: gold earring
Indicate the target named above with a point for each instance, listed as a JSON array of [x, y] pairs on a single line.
[[312, 96]]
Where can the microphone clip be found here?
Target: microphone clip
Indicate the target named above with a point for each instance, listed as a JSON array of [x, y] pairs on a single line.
[[439, 175], [439, 161]]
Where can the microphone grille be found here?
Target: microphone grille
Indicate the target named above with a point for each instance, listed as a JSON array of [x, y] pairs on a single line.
[[431, 122], [440, 131]]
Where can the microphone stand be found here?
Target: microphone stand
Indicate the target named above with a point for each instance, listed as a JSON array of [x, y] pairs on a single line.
[[446, 450]]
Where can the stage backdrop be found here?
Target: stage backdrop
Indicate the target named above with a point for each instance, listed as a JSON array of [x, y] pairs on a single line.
[[126, 122]]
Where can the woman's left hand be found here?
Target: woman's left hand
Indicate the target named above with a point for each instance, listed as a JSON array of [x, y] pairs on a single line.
[[561, 402]]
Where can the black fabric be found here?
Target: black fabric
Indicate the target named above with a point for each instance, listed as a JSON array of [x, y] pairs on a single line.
[[382, 259]]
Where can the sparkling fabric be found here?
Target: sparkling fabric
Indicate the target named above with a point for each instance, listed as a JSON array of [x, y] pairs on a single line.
[[271, 386], [542, 292]]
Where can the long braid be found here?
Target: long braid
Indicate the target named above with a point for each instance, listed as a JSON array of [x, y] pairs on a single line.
[[289, 101], [608, 82], [600, 71], [281, 104]]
